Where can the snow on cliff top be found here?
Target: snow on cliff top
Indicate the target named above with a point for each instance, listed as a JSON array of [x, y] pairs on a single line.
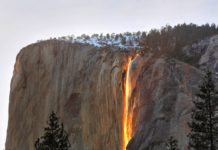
[[124, 41]]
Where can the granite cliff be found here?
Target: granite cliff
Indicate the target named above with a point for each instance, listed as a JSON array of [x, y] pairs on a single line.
[[85, 86]]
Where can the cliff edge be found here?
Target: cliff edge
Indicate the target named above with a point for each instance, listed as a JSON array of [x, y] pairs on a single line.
[[85, 86]]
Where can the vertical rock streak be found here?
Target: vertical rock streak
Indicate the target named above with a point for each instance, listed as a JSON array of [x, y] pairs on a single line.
[[127, 119]]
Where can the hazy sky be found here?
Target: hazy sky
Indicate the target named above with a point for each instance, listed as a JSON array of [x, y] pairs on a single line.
[[25, 21]]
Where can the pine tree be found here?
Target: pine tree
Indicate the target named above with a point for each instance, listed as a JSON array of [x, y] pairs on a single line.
[[172, 144], [204, 124], [55, 137]]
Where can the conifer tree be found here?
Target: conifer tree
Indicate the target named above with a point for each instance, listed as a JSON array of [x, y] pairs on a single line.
[[204, 124], [55, 137], [172, 144]]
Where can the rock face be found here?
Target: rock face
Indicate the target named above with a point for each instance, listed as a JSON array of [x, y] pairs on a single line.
[[210, 57], [204, 53], [162, 102], [85, 86], [82, 84]]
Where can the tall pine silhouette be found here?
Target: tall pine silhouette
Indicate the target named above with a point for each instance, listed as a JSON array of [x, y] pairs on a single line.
[[55, 137], [204, 124]]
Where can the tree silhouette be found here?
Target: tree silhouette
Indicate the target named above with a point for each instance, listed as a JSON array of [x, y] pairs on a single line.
[[172, 144], [204, 124], [55, 137]]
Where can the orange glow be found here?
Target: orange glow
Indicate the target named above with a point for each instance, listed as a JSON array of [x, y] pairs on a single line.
[[127, 117]]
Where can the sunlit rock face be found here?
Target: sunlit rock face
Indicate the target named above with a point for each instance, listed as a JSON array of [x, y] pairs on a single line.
[[85, 86], [82, 84]]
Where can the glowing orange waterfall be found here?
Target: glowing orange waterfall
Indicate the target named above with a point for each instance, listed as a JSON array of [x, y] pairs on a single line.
[[127, 118]]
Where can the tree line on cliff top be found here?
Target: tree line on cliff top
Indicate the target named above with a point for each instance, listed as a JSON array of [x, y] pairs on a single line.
[[164, 39], [169, 40]]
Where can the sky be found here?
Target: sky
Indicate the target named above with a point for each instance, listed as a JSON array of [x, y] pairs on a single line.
[[25, 21]]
